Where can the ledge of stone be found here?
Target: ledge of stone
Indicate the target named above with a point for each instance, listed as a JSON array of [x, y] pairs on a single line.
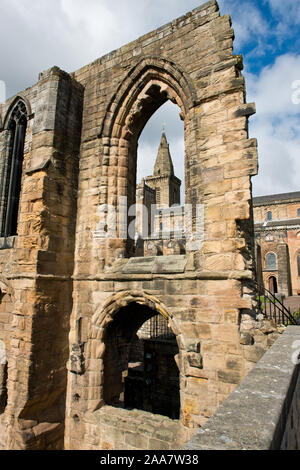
[[254, 416], [156, 264], [116, 275], [38, 167]]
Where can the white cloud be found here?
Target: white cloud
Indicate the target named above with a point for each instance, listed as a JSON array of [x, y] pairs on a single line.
[[38, 34], [276, 125], [273, 89]]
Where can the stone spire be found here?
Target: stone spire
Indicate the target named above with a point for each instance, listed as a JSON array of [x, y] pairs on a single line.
[[163, 164]]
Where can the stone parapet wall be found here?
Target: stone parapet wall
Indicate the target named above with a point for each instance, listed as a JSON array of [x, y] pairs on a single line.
[[263, 413], [291, 436], [115, 428]]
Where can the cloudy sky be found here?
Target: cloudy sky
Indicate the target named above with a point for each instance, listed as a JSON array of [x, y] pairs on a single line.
[[37, 34]]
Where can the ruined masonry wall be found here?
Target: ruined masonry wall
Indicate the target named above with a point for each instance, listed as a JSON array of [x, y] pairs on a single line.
[[36, 265], [67, 285], [210, 303]]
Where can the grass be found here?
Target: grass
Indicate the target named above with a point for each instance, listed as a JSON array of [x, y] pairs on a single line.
[[296, 315], [263, 299]]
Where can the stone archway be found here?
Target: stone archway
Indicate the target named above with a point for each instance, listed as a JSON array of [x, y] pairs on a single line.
[[147, 86], [207, 288], [103, 319], [140, 370]]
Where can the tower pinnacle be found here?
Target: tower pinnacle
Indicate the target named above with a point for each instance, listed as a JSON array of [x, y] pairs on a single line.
[[163, 164]]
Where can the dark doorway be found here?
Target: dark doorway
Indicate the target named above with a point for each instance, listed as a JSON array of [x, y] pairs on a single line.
[[273, 285], [139, 367]]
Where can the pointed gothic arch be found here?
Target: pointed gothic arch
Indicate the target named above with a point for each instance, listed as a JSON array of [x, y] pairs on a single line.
[[15, 126], [147, 86], [148, 69], [12, 106]]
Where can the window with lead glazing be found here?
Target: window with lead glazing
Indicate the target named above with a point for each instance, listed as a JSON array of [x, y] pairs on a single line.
[[13, 174]]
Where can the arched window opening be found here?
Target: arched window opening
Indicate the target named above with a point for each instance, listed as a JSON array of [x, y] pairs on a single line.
[[273, 285], [150, 86], [139, 367], [269, 215], [13, 170], [160, 167], [271, 262]]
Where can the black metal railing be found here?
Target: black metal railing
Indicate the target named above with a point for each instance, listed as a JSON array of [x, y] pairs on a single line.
[[273, 308]]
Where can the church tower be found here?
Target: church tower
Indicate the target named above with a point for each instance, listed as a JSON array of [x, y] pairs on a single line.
[[163, 180]]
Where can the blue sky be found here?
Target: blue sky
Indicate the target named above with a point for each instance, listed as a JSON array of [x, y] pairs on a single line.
[[265, 29], [38, 34]]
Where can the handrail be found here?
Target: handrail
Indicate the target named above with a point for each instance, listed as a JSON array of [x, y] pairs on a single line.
[[277, 310]]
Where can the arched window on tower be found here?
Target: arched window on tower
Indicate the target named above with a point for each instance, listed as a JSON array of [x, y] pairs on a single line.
[[271, 262], [13, 170]]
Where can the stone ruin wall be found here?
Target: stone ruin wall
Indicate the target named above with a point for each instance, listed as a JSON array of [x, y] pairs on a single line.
[[206, 295], [36, 266]]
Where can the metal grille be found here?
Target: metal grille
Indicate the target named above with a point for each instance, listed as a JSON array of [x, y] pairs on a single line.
[[156, 328]]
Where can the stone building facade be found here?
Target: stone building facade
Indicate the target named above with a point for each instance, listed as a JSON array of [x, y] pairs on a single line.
[[73, 293], [277, 233]]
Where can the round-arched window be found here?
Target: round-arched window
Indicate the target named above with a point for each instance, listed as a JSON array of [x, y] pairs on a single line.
[[271, 262]]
